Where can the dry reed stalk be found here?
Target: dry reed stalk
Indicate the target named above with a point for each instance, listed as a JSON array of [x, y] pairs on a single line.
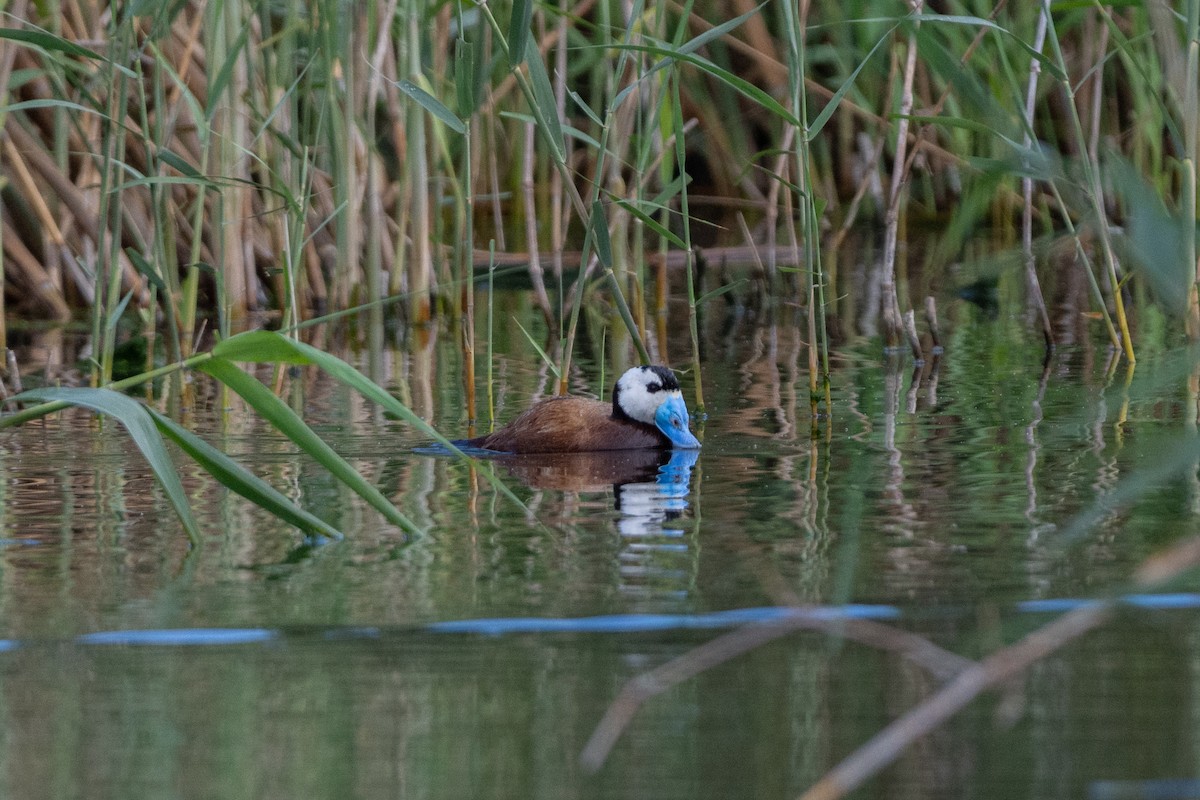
[[771, 207], [529, 202], [890, 300], [6, 65], [914, 338], [935, 330], [1031, 276], [870, 178], [940, 663], [559, 211], [226, 158], [420, 264], [26, 270], [769, 65], [75, 200], [24, 180], [190, 55], [996, 669]]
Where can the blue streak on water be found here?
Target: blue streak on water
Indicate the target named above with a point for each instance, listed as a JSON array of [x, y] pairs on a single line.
[[637, 623], [177, 637], [1160, 601], [609, 623]]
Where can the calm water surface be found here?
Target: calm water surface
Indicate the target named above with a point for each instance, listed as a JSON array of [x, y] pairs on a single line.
[[940, 498]]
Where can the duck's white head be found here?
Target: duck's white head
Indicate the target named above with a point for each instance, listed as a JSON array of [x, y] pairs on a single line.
[[651, 395]]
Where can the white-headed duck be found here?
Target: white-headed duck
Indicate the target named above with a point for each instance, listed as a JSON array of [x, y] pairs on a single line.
[[647, 411]]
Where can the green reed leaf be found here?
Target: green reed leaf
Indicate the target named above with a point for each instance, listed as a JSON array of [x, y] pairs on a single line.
[[546, 109], [467, 77], [738, 84], [601, 237], [549, 362], [233, 475], [432, 105], [720, 290], [817, 124], [289, 423], [1156, 236], [652, 223], [177, 161], [518, 32], [271, 347], [137, 420], [50, 42], [65, 105]]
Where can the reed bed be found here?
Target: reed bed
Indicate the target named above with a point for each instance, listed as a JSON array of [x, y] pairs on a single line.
[[186, 167]]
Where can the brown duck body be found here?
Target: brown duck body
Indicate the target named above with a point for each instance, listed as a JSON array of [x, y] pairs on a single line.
[[570, 425]]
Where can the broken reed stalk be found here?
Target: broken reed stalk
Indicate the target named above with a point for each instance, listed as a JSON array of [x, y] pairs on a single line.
[[997, 668], [891, 318], [938, 662], [914, 338], [529, 202], [935, 330], [1034, 287]]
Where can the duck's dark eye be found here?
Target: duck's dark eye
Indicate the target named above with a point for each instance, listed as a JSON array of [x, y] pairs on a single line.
[[653, 387]]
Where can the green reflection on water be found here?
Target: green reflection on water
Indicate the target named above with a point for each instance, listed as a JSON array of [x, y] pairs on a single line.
[[944, 491]]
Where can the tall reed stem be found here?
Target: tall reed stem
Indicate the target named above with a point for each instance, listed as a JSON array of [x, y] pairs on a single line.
[[1031, 276], [892, 326], [1094, 189], [1191, 157]]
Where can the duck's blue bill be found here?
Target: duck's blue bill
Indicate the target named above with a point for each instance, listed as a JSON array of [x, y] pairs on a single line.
[[672, 419]]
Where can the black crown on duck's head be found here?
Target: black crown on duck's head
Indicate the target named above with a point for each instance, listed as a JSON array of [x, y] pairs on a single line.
[[652, 378]]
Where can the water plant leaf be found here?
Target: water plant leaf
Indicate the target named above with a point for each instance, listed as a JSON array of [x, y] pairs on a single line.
[[136, 419], [1033, 157], [1047, 62], [467, 79], [601, 238], [65, 105], [518, 32], [683, 50], [271, 347], [545, 107], [146, 269], [738, 84], [549, 362], [50, 42], [569, 130], [289, 423], [819, 122], [1156, 237], [651, 223], [174, 160], [584, 107], [717, 292], [432, 105], [233, 475]]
